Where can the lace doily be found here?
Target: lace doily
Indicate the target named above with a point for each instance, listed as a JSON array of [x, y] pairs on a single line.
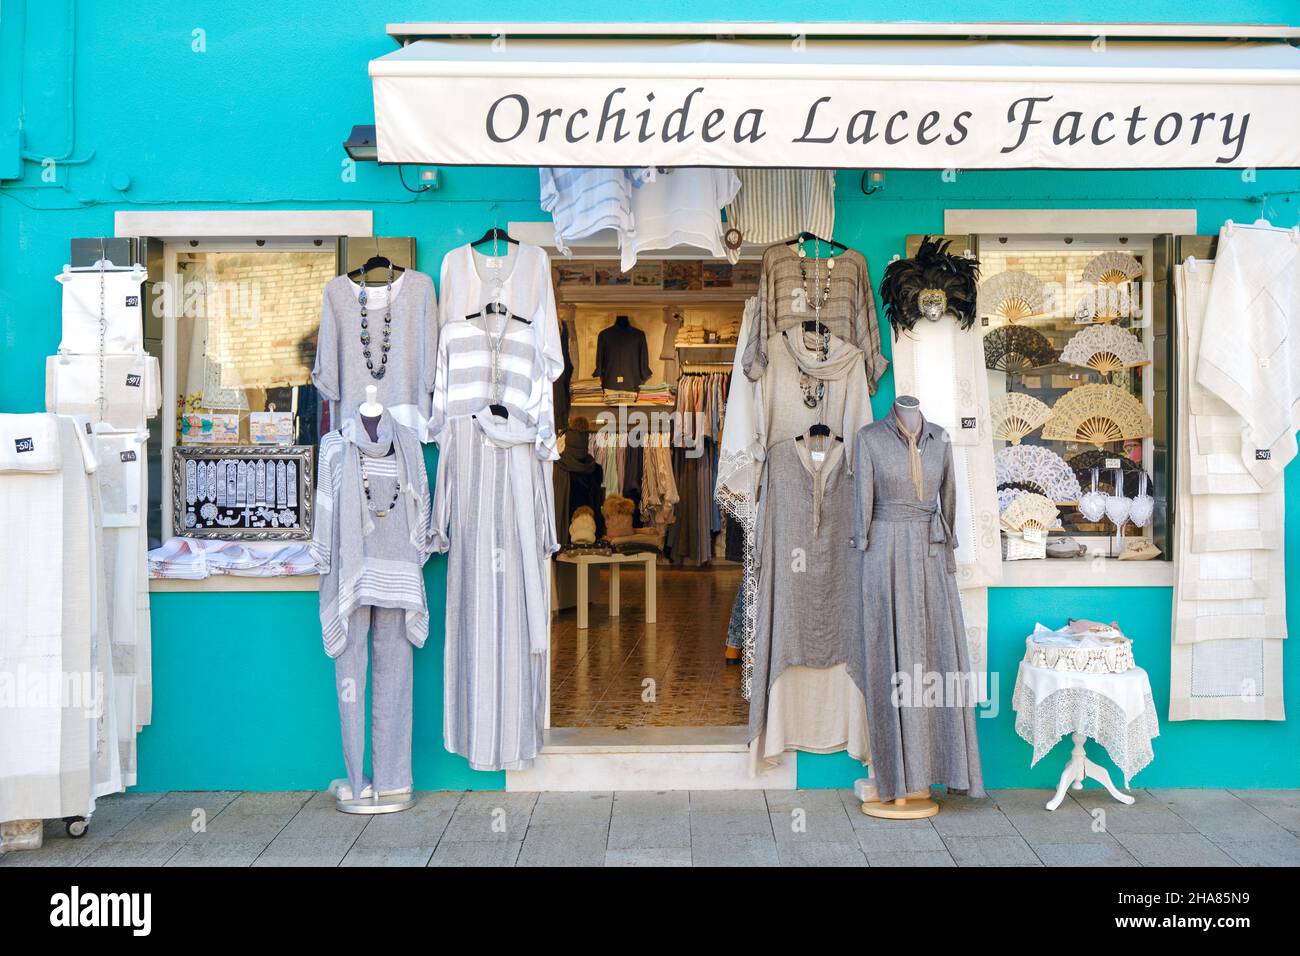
[[1078, 710]]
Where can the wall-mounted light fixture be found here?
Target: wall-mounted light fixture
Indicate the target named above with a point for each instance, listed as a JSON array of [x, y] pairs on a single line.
[[873, 180], [362, 146]]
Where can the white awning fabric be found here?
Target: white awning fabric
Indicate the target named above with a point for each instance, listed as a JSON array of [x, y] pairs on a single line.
[[842, 103]]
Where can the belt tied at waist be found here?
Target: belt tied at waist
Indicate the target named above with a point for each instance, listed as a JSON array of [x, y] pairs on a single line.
[[909, 511]]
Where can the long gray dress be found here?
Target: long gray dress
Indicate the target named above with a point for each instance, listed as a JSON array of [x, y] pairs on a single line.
[[919, 693], [809, 613], [494, 513]]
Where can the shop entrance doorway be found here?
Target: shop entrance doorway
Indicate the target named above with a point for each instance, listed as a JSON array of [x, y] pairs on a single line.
[[651, 567]]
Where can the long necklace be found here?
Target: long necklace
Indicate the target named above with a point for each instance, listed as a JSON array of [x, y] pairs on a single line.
[[494, 343], [365, 484], [363, 297]]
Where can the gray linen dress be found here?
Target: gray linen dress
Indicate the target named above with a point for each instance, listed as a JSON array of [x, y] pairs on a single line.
[[923, 734], [809, 611]]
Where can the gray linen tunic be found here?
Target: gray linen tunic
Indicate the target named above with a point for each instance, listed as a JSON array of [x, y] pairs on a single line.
[[911, 614], [340, 373], [809, 611]]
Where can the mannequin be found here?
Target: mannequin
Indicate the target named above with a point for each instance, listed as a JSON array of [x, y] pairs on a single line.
[[908, 410], [622, 356], [914, 806], [371, 411], [372, 799]]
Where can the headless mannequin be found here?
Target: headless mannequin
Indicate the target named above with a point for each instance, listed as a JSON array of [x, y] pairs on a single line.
[[915, 805], [370, 412], [908, 410], [345, 801]]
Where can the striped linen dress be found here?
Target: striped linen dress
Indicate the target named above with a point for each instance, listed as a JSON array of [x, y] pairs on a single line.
[[494, 517]]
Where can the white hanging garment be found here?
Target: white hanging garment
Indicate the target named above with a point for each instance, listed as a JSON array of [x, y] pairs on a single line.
[[1229, 609], [1248, 355], [132, 389], [111, 296], [943, 366]]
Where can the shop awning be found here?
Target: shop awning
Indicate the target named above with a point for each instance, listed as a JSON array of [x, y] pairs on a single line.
[[1021, 102]]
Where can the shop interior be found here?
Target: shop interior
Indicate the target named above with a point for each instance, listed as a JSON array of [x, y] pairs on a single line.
[[650, 355]]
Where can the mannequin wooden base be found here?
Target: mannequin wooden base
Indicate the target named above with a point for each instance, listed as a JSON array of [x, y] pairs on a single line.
[[904, 809]]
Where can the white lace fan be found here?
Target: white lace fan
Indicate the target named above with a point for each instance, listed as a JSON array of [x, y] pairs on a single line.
[[1031, 511], [1037, 466], [1112, 268], [1013, 296], [1105, 348], [1098, 415], [1107, 303], [1016, 414]]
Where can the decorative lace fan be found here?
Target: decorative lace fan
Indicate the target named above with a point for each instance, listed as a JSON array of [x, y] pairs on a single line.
[[1016, 414], [1036, 467], [1030, 511], [1083, 463], [1105, 348], [1010, 494], [1106, 303], [1112, 268], [1013, 296], [1097, 414], [1013, 348]]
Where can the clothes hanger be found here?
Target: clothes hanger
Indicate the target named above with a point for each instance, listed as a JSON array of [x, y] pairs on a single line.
[[376, 261], [497, 308], [813, 237], [819, 430], [495, 234]]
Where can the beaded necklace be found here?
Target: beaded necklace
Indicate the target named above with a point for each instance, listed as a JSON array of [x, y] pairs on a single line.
[[365, 484], [363, 297]]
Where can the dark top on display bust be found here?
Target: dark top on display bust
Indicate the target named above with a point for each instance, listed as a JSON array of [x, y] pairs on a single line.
[[622, 356]]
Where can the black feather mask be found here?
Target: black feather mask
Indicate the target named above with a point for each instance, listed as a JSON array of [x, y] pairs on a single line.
[[930, 285]]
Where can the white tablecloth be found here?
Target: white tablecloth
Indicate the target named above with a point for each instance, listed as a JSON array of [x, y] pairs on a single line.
[[1116, 710]]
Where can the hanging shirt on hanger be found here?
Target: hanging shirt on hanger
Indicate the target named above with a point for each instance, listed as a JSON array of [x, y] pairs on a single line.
[[680, 207], [341, 374]]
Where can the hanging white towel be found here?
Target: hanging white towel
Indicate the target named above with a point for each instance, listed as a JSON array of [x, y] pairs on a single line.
[[1250, 350]]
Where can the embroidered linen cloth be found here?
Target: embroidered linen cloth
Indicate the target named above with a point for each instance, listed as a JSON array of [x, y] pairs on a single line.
[[1116, 710], [1229, 613], [1249, 355]]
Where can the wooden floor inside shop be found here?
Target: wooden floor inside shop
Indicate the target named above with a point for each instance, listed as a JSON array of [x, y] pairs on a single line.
[[598, 675]]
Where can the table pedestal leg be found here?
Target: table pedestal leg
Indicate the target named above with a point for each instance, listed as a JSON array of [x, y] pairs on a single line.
[[613, 590], [1077, 769]]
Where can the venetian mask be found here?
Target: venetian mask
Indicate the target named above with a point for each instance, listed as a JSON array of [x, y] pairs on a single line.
[[932, 304]]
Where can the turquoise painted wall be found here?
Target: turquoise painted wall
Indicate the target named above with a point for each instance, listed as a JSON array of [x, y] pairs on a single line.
[[253, 119]]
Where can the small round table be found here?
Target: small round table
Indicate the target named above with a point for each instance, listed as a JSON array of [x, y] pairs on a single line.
[[1116, 710]]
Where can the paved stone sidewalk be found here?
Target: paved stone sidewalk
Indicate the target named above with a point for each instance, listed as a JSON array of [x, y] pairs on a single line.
[[680, 828]]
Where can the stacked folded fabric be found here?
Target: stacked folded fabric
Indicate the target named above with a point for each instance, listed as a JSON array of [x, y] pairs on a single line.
[[1230, 595], [194, 559], [657, 393], [690, 335], [730, 332], [587, 391]]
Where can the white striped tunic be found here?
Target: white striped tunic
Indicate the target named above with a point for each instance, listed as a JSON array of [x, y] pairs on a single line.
[[494, 516]]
